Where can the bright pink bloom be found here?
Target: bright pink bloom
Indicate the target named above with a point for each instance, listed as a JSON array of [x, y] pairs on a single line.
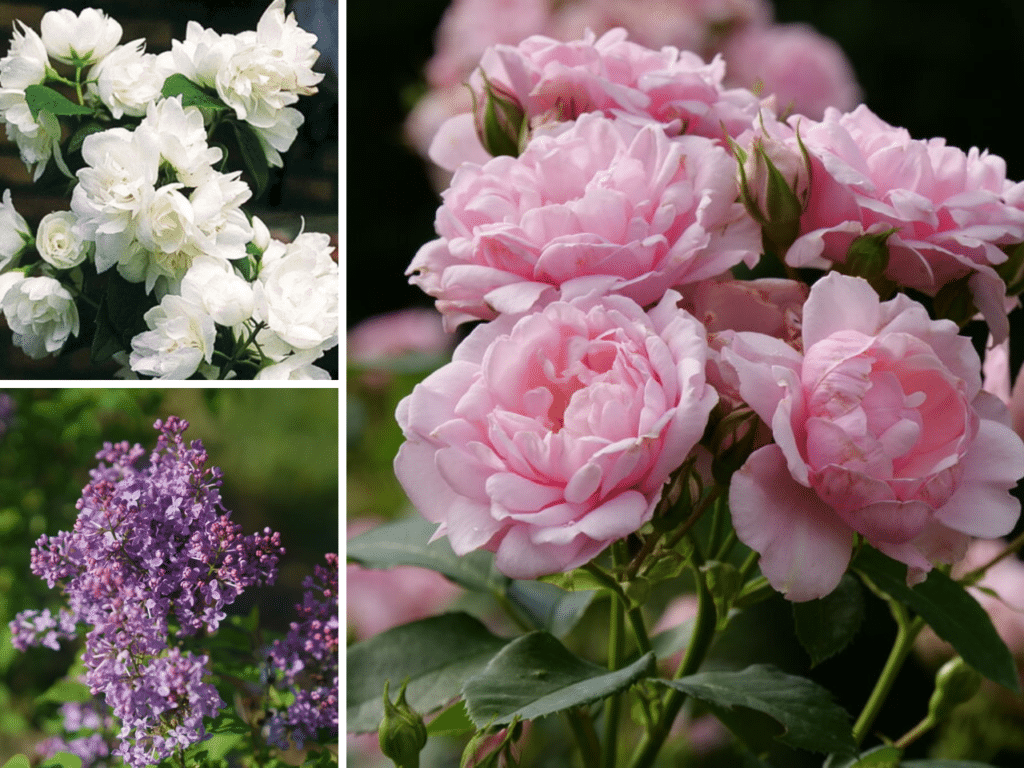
[[620, 205], [805, 70], [554, 81], [881, 427], [551, 434], [949, 209], [377, 600]]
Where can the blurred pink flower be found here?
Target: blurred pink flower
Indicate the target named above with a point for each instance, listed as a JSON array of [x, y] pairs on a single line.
[[881, 427], [805, 70], [469, 27], [950, 210], [1000, 592], [377, 600], [550, 435], [391, 335], [621, 206]]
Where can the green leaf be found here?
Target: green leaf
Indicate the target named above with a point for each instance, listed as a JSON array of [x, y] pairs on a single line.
[[63, 759], [437, 655], [805, 710], [535, 675], [18, 761], [119, 317], [65, 690], [453, 722], [253, 156], [40, 98], [950, 610], [405, 542], [877, 757], [550, 607], [191, 94], [824, 627], [943, 764], [85, 130]]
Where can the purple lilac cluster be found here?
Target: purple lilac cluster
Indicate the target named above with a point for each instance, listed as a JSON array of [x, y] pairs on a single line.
[[307, 662], [153, 553]]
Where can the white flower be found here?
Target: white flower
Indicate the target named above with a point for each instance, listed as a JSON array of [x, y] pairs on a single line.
[[179, 136], [212, 284], [128, 80], [111, 193], [37, 139], [41, 313], [26, 61], [181, 337], [81, 39], [297, 296], [201, 54], [58, 243], [295, 367], [14, 232]]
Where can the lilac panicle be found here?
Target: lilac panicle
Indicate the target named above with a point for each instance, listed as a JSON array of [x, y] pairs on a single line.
[[153, 553], [306, 661]]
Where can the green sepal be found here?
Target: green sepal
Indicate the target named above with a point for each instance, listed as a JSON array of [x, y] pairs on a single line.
[[868, 256]]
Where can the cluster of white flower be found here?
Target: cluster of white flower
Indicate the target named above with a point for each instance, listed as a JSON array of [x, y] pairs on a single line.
[[151, 200]]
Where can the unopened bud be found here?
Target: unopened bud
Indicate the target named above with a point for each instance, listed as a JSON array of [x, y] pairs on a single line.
[[868, 256], [260, 233], [955, 683], [774, 187], [402, 734], [501, 123]]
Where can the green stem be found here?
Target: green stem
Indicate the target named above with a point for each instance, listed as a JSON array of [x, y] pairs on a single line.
[[700, 642], [586, 738], [616, 631], [907, 630], [636, 619]]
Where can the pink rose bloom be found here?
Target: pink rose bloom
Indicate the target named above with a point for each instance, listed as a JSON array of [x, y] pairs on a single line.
[[949, 209], [554, 81], [805, 70], [551, 434], [620, 205], [393, 334], [881, 428], [377, 600]]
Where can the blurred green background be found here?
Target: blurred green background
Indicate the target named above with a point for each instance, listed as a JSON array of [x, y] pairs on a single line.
[[278, 449]]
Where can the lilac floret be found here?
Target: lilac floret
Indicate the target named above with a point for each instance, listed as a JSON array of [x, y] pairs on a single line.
[[306, 661]]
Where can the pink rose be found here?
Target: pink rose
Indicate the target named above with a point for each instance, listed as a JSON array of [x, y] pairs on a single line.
[[619, 204], [949, 209], [553, 81], [551, 434], [377, 600], [805, 70], [881, 428]]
